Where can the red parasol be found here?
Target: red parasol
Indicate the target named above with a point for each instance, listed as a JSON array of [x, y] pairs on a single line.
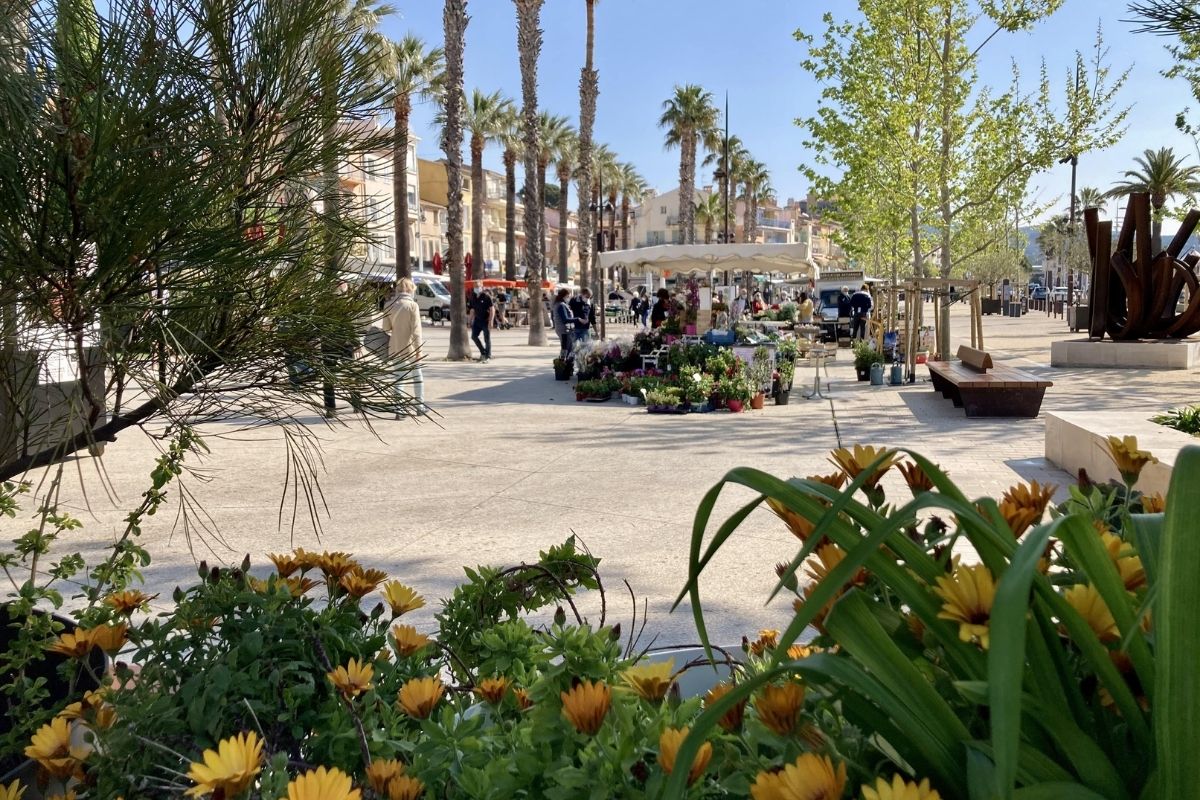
[[437, 263]]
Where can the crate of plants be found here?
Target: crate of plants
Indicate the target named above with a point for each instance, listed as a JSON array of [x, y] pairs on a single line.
[[666, 400], [596, 390]]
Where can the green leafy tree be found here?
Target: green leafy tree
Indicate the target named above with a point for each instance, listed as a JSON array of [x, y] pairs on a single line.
[[708, 213], [690, 119], [1163, 175], [165, 235], [633, 189], [903, 116]]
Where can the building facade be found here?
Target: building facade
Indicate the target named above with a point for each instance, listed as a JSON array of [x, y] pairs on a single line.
[[368, 179], [434, 192]]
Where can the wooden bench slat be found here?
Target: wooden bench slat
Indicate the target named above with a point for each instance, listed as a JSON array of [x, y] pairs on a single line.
[[1003, 391]]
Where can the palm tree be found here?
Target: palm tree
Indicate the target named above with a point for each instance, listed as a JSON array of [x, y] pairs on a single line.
[[1090, 197], [716, 157], [554, 132], [709, 212], [509, 139], [412, 71], [565, 164], [484, 120], [633, 189], [589, 90], [755, 179], [454, 20], [529, 46], [604, 175], [1163, 175], [689, 118]]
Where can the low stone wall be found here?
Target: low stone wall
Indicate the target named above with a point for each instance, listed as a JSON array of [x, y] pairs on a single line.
[[1077, 440], [1183, 354]]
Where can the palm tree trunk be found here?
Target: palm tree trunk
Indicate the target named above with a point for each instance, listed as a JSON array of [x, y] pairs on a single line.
[[708, 226], [747, 223], [478, 196], [403, 108], [589, 90], [455, 19], [625, 222], [510, 215], [564, 211], [543, 227], [529, 45], [687, 185]]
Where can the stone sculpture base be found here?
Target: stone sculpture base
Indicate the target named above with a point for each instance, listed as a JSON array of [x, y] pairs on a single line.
[[1157, 354], [1078, 439]]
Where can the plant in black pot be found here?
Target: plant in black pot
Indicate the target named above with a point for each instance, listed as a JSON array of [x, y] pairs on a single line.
[[563, 367], [783, 381], [865, 355]]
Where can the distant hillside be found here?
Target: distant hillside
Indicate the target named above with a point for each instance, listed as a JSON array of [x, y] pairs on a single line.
[[1033, 250]]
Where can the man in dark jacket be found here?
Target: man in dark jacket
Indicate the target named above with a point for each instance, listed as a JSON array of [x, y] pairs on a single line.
[[483, 315], [585, 315], [860, 308]]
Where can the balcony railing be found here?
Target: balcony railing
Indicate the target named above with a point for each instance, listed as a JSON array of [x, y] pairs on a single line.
[[782, 224]]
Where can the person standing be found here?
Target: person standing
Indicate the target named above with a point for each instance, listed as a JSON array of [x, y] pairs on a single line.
[[564, 323], [661, 310], [585, 315], [483, 314], [805, 309], [860, 308], [635, 309], [645, 310], [402, 322]]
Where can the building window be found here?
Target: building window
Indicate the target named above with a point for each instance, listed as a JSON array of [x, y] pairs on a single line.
[[662, 209]]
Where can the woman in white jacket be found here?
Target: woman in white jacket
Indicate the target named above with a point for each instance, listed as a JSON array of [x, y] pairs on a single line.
[[402, 321]]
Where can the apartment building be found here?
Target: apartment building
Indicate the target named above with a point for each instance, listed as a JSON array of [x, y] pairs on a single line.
[[656, 220], [368, 179], [434, 191]]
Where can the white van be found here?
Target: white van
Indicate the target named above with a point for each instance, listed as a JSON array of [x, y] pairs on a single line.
[[432, 296]]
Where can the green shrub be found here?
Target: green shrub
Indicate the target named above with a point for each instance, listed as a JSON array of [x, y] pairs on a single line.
[[1186, 419]]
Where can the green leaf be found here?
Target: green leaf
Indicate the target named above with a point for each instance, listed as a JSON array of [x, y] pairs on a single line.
[[1177, 716], [1147, 537], [1056, 791], [1006, 657]]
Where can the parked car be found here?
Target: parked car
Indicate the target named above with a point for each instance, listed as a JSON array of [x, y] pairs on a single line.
[[1059, 295], [433, 298], [1038, 293]]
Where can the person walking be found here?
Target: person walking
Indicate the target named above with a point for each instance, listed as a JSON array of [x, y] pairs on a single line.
[[645, 310], [635, 309], [661, 310], [402, 322], [860, 308], [483, 314]]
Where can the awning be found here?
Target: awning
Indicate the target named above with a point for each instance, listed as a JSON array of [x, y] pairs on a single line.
[[791, 259]]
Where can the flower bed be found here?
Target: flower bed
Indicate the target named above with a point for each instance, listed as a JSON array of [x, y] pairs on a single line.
[[1059, 665]]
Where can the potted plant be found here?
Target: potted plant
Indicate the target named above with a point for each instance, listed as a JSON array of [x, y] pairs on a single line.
[[563, 367], [783, 381], [760, 370], [865, 355], [697, 386], [665, 400], [735, 391]]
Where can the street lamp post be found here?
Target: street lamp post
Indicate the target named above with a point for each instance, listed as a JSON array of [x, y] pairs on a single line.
[[1073, 160], [598, 207]]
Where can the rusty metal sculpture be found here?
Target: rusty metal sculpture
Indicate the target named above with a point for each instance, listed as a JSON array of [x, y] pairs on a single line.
[[1134, 293]]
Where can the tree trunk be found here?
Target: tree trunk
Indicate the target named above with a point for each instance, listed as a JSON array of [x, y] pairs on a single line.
[[529, 45], [708, 226], [564, 212], [402, 108], [747, 223], [947, 213], [543, 166], [478, 198], [455, 19], [725, 197], [687, 181], [510, 215], [589, 90], [625, 222]]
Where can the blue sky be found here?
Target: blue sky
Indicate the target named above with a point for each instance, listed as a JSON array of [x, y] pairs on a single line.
[[645, 47]]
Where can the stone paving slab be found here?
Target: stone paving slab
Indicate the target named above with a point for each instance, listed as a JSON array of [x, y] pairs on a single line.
[[513, 464]]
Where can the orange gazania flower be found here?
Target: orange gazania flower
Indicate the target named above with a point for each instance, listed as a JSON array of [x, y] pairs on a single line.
[[1023, 506], [92, 710], [72, 644], [408, 641], [668, 748], [586, 706], [405, 787], [1154, 503], [900, 789], [778, 707], [829, 556], [401, 599], [128, 601], [915, 477], [357, 584], [305, 559], [524, 701], [492, 689], [287, 563], [336, 564], [855, 462], [731, 720], [810, 777], [323, 784], [109, 638], [651, 680], [800, 526], [381, 772], [419, 696], [352, 679]]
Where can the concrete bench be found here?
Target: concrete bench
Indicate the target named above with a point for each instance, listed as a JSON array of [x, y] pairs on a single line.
[[985, 390]]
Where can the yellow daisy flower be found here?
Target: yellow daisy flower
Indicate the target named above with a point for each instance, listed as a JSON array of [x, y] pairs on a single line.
[[810, 777], [900, 789], [731, 720], [382, 772], [1130, 461], [408, 641], [1087, 601], [51, 748], [72, 644], [401, 599], [405, 787], [651, 680], [352, 679], [967, 598], [229, 769], [109, 638], [1023, 506], [12, 792], [128, 601], [323, 784], [492, 690], [855, 462], [286, 563], [915, 477], [779, 707]]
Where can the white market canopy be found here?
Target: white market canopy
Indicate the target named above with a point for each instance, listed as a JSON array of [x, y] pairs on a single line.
[[791, 259]]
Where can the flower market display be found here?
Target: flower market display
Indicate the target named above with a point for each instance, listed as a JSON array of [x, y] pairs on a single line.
[[691, 377], [907, 671]]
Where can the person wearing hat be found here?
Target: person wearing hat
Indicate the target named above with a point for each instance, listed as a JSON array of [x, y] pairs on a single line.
[[860, 308]]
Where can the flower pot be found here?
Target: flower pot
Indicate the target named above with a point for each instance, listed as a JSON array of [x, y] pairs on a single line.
[[579, 397], [734, 405], [563, 372], [863, 373], [756, 402], [716, 401], [877, 374], [781, 398], [689, 330], [629, 399]]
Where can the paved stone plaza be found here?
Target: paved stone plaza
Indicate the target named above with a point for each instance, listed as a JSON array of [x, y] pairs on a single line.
[[513, 464]]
